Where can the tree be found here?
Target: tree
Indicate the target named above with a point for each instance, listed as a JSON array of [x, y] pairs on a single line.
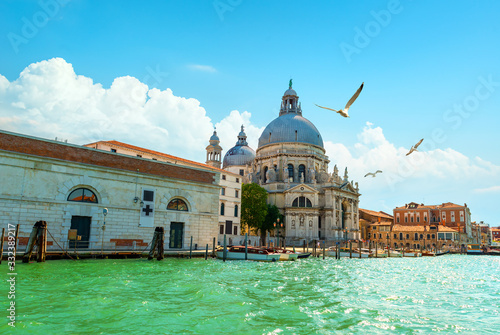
[[253, 206], [273, 214]]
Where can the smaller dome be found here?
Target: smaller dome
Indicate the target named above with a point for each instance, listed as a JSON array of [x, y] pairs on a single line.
[[214, 137], [238, 155], [290, 91]]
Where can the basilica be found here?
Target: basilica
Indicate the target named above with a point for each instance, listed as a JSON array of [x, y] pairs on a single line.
[[290, 163]]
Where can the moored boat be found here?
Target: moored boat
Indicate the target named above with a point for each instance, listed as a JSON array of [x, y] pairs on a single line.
[[253, 254], [412, 253], [303, 254], [285, 255], [474, 249]]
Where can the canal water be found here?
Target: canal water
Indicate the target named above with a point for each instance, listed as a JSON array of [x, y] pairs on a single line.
[[447, 294]]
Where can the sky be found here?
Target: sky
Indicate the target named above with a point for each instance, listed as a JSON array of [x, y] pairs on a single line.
[[163, 74]]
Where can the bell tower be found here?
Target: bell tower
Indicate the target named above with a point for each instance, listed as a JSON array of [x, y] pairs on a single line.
[[214, 151]]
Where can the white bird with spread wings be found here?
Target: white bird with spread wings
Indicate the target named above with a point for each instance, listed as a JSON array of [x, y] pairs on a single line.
[[343, 112], [373, 173], [414, 148]]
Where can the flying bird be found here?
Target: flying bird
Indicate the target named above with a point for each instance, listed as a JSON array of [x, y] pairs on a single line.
[[414, 148], [372, 173], [343, 112]]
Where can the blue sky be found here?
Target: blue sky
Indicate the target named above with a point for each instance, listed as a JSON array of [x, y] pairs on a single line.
[[430, 71]]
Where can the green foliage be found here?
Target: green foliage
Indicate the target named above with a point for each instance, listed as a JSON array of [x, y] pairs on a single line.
[[273, 214], [253, 206]]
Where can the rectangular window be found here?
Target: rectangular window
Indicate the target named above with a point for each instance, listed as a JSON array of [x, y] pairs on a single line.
[[237, 180], [236, 193], [242, 173], [221, 229], [406, 219], [418, 218], [397, 219], [395, 236], [113, 150], [223, 177], [148, 195], [223, 191], [235, 230]]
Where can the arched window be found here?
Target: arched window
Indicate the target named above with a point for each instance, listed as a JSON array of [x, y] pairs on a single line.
[[400, 236], [177, 205], [235, 210], [302, 171], [416, 237], [265, 174], [83, 195], [301, 202], [222, 208], [290, 171]]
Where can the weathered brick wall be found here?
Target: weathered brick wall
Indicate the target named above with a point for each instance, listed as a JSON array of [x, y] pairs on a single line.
[[43, 148]]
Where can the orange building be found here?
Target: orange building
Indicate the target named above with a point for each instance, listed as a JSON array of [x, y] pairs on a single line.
[[447, 214], [368, 217]]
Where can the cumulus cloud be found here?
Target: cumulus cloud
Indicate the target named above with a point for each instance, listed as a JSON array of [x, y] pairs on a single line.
[[438, 175], [49, 100], [229, 128], [202, 68], [492, 189]]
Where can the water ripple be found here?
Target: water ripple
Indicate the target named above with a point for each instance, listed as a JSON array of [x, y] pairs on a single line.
[[449, 294]]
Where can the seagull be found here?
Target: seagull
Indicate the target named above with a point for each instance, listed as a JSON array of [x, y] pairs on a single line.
[[372, 173], [414, 148], [343, 112]]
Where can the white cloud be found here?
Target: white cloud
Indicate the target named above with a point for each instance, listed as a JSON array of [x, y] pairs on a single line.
[[202, 68], [432, 176], [229, 128], [49, 100], [492, 189]]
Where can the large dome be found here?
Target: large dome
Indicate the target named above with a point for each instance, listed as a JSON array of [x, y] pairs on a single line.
[[291, 127]]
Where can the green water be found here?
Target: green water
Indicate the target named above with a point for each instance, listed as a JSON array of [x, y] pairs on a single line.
[[447, 294]]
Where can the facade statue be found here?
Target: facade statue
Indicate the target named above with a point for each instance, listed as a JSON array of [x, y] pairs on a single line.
[[302, 178], [346, 176]]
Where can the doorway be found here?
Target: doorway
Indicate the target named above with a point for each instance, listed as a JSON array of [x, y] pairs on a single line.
[[82, 226], [176, 235]]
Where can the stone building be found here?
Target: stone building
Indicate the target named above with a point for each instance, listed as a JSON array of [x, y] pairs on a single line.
[[290, 163], [230, 183], [368, 217], [69, 186], [448, 214]]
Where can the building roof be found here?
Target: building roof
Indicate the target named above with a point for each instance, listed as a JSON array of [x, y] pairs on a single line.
[[422, 206], [82, 155], [175, 159], [378, 214]]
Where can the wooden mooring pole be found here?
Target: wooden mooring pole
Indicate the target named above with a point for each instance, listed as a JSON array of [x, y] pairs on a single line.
[[246, 246], [213, 248], [157, 244], [38, 237], [350, 249], [224, 251], [191, 248], [206, 252]]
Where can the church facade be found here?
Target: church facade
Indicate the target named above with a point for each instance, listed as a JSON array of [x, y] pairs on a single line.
[[290, 163]]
